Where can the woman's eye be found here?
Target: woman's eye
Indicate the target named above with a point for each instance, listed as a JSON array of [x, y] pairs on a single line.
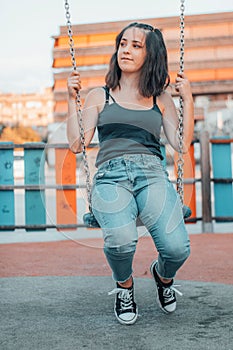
[[137, 46]]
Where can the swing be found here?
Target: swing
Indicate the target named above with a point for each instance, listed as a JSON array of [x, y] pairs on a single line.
[[88, 218]]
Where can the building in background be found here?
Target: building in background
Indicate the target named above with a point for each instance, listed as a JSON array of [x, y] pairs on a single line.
[[29, 110], [208, 64], [208, 60]]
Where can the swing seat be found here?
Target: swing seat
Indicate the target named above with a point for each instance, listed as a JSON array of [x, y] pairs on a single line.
[[187, 212], [90, 221]]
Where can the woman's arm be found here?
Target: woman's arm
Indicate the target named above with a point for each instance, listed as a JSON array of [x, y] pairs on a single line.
[[170, 116], [89, 113]]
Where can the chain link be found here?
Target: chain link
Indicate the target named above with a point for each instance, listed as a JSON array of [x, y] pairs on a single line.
[[79, 107], [180, 161]]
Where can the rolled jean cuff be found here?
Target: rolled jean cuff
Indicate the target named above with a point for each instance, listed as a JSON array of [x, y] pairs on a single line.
[[167, 268], [117, 280], [120, 262]]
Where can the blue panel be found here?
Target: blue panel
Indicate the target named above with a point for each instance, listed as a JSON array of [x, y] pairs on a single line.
[[7, 202], [222, 168], [35, 209]]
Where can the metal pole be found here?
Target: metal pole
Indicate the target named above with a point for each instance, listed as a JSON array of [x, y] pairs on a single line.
[[207, 225]]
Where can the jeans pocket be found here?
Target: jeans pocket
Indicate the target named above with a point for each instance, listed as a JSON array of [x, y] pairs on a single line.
[[101, 172]]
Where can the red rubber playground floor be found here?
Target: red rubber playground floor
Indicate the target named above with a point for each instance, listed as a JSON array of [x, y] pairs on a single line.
[[211, 258]]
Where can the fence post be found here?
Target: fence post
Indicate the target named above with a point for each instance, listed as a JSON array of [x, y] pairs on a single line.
[[7, 202], [207, 225], [65, 167], [189, 174], [222, 170], [34, 162]]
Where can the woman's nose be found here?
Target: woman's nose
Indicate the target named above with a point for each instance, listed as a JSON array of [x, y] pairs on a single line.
[[126, 49]]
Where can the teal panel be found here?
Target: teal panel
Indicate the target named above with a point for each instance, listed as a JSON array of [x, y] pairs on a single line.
[[35, 209], [222, 168], [7, 200]]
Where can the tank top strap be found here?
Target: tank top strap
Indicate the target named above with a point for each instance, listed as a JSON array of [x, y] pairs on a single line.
[[107, 95]]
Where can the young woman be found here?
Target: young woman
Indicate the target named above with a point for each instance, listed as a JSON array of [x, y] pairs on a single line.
[[131, 180]]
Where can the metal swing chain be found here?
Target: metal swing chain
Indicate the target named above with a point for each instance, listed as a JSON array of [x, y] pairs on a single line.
[[180, 161], [78, 106]]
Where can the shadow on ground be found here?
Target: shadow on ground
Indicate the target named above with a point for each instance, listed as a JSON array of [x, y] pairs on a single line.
[[69, 313]]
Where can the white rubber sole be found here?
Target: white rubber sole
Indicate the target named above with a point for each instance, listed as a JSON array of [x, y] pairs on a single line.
[[156, 290], [129, 322]]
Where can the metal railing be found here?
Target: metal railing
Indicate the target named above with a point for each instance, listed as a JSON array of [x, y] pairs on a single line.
[[66, 186]]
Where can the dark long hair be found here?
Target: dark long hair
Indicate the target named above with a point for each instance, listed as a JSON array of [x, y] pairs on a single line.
[[154, 77]]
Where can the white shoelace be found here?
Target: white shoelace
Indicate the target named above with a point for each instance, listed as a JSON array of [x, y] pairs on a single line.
[[167, 291], [125, 295]]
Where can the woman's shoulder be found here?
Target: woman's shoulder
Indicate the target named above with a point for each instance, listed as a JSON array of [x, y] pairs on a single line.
[[164, 97], [164, 100], [95, 97], [96, 93]]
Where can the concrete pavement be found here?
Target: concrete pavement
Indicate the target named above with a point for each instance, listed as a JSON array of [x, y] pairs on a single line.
[[54, 297], [67, 313]]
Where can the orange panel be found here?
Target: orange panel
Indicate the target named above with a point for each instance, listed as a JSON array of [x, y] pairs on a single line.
[[87, 40], [56, 41], [65, 166], [86, 83], [82, 61], [210, 30], [206, 74], [63, 41], [201, 74], [189, 173], [222, 74], [101, 38]]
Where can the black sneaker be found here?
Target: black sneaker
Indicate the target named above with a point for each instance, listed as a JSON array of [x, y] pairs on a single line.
[[165, 292], [125, 308]]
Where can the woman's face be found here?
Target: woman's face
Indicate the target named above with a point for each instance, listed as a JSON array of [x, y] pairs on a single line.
[[132, 50]]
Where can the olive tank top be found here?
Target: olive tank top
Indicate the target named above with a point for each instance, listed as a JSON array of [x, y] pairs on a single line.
[[126, 131]]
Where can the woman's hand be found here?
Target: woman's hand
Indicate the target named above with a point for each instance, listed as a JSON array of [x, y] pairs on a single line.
[[73, 84], [183, 87]]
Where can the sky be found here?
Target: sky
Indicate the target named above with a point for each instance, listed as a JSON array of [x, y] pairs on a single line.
[[27, 27]]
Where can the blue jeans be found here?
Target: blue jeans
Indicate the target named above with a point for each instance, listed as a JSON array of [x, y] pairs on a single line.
[[137, 185]]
